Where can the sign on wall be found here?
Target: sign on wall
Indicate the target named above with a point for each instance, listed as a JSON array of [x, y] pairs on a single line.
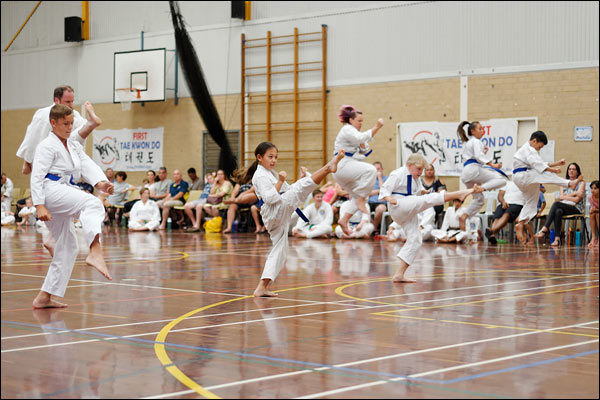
[[128, 149], [438, 142]]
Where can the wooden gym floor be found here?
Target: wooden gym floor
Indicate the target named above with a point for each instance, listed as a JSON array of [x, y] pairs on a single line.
[[178, 321]]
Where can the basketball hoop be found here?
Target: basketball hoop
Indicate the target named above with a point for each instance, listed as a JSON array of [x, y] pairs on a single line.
[[125, 96]]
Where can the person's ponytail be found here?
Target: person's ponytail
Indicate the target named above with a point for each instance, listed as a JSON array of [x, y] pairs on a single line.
[[461, 132]]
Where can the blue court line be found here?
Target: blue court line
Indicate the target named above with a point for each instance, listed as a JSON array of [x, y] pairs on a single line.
[[310, 364]]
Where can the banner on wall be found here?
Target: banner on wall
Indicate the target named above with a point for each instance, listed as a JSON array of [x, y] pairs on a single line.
[[128, 149], [438, 142]]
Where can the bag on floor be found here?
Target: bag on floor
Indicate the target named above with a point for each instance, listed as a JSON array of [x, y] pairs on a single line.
[[213, 225]]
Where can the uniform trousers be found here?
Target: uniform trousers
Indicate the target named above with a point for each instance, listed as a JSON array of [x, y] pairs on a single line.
[[151, 225], [487, 178], [365, 231], [405, 215], [277, 217], [357, 178], [318, 230], [529, 183], [65, 202]]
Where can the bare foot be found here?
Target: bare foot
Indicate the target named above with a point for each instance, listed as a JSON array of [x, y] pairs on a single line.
[[228, 230], [333, 163], [264, 293], [556, 243], [344, 225], [478, 189], [573, 184], [402, 279], [302, 172], [530, 242], [50, 247], [50, 303], [91, 115], [99, 264]]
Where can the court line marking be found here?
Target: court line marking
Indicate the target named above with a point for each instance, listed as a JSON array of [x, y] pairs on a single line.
[[28, 290], [271, 318], [442, 370], [376, 359], [342, 302]]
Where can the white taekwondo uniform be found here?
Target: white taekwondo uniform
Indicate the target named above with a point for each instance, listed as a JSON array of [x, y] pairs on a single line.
[[320, 220], [354, 176], [451, 226], [401, 186], [148, 212], [276, 212], [64, 201], [528, 173], [39, 128], [426, 225], [475, 171]]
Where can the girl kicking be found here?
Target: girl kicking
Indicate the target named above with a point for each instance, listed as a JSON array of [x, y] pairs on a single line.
[[478, 168], [279, 202], [354, 176], [402, 191]]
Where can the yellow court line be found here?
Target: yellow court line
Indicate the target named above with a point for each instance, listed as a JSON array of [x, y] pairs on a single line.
[[385, 314], [159, 348]]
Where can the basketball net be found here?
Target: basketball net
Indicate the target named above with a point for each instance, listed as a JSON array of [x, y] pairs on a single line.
[[126, 96]]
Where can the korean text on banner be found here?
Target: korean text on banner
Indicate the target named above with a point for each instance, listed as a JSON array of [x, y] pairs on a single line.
[[129, 149]]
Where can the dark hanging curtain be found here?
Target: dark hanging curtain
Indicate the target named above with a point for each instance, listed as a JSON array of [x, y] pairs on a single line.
[[199, 91]]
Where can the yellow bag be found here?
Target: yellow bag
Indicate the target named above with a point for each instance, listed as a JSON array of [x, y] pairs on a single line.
[[213, 225]]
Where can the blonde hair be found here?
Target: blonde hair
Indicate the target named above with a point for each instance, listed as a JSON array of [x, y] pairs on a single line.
[[417, 159]]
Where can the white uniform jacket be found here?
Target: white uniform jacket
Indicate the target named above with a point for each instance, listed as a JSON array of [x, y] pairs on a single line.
[[39, 128], [528, 157], [397, 185], [473, 149], [322, 216], [53, 158], [350, 139], [148, 212]]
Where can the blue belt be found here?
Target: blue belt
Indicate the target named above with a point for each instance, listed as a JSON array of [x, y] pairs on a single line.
[[298, 211], [55, 178], [519, 170], [352, 154], [474, 161]]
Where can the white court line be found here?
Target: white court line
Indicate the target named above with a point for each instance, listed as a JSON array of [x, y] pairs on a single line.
[[28, 290], [229, 324], [410, 353], [442, 370], [312, 303], [132, 285]]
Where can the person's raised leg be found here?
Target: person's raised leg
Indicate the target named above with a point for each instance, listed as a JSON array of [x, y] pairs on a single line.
[[330, 167], [96, 258]]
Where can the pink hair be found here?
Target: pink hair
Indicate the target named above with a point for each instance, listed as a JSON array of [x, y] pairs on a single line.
[[347, 112]]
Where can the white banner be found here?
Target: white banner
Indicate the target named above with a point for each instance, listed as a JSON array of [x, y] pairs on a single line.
[[129, 149], [438, 142]]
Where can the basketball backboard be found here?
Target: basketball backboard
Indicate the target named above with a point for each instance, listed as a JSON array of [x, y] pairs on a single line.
[[143, 70]]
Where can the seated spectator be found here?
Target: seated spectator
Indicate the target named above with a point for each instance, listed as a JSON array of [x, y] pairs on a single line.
[[195, 181], [426, 226], [161, 187], [433, 184], [7, 191], [198, 205], [593, 199], [8, 217], [511, 202], [339, 198], [380, 206], [238, 197], [569, 202], [450, 231], [359, 224], [320, 216], [28, 214], [221, 190], [144, 215], [118, 197], [178, 193], [148, 183]]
